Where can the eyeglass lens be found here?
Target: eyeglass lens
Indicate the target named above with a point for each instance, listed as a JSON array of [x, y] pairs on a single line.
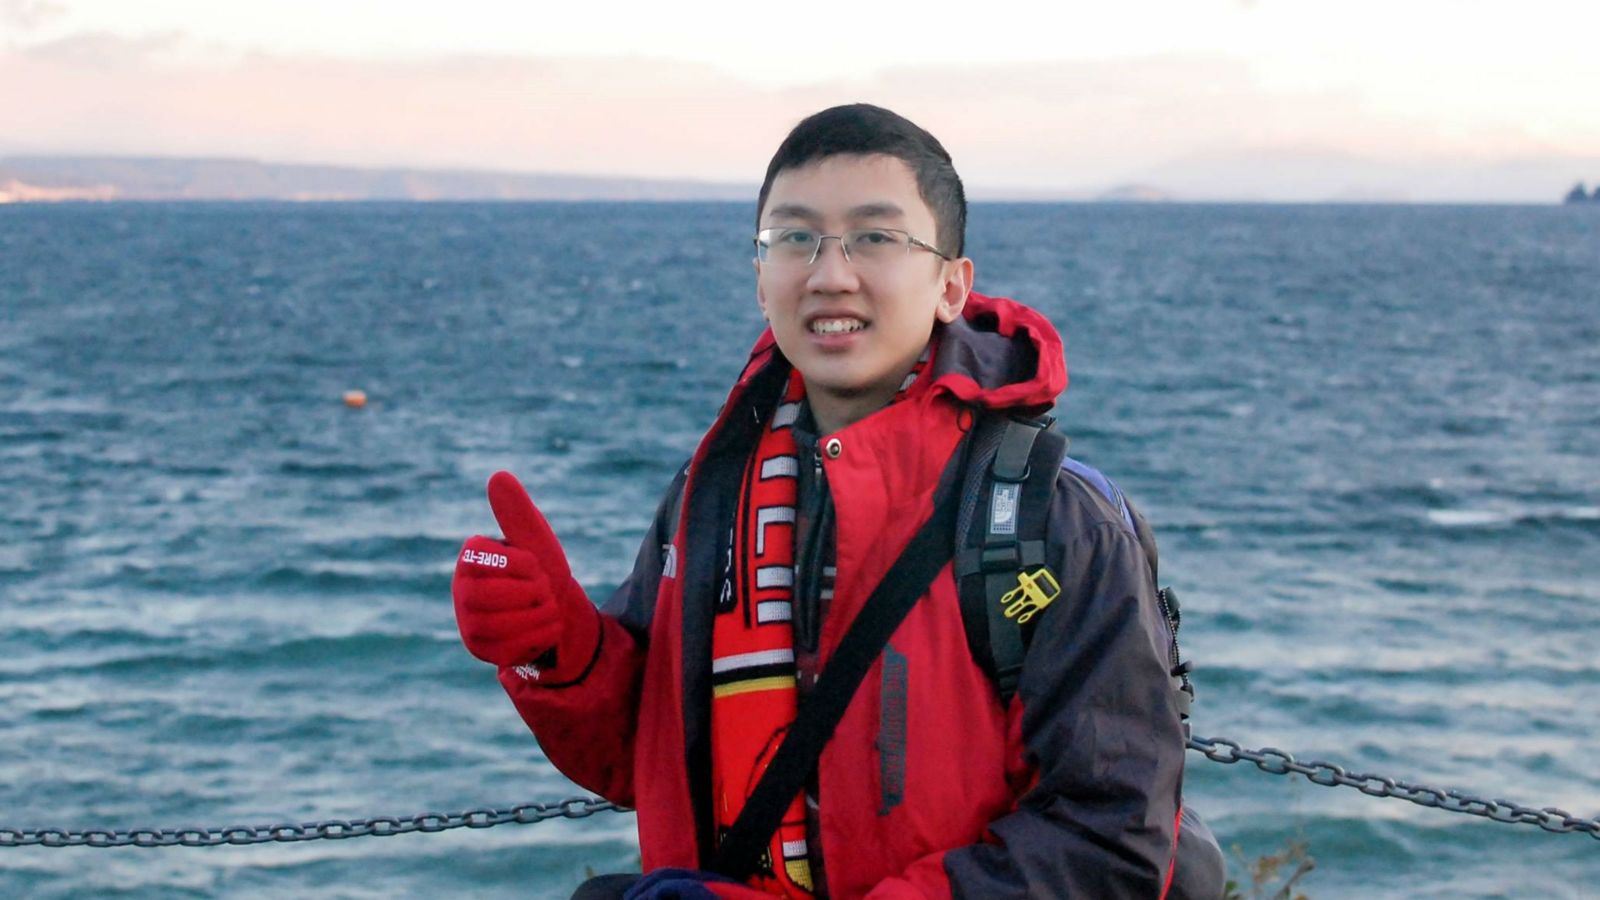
[[861, 245]]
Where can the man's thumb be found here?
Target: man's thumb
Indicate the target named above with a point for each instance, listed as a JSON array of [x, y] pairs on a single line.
[[520, 521]]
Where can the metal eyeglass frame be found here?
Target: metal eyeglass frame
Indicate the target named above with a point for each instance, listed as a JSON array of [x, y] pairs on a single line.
[[816, 251]]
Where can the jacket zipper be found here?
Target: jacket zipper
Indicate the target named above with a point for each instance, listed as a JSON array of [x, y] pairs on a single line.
[[808, 581]]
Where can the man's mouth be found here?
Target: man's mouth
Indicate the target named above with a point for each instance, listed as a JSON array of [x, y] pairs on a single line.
[[836, 326]]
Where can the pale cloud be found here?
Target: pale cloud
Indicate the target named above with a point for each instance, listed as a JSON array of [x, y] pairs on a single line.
[[1068, 126], [27, 15], [103, 50], [96, 94]]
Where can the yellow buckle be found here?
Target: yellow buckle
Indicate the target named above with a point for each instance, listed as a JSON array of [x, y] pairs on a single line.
[[1034, 591]]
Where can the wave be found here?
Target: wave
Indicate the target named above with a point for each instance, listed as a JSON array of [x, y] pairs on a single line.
[[332, 470], [34, 435], [325, 580], [1587, 517], [87, 640], [397, 548], [632, 461], [400, 652]]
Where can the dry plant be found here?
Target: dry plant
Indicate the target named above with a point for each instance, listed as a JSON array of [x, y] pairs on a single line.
[[1272, 877]]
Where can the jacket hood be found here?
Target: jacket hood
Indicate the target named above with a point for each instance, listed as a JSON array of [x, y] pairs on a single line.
[[999, 354], [1002, 355]]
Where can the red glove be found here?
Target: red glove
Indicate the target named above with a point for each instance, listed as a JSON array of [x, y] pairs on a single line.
[[516, 601]]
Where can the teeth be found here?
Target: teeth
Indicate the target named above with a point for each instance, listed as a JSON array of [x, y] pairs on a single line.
[[836, 326]]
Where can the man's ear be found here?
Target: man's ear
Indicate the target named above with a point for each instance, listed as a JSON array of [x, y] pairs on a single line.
[[761, 296], [957, 285]]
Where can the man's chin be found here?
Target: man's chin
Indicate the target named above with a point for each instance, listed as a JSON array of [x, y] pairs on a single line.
[[843, 388]]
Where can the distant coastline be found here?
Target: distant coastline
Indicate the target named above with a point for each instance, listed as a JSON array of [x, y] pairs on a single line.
[[43, 179], [59, 179]]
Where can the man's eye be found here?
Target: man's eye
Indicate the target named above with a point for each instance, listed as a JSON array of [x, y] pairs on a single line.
[[796, 237], [876, 237]]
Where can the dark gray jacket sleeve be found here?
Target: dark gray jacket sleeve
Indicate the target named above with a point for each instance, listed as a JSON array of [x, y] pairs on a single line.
[[633, 603], [1100, 724]]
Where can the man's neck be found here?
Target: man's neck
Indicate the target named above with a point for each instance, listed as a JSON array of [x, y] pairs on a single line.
[[834, 412]]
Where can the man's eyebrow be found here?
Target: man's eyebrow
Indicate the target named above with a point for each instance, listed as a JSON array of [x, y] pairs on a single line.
[[794, 211], [875, 211]]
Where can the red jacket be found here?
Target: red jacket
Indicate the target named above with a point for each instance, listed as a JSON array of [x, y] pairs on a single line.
[[1071, 791]]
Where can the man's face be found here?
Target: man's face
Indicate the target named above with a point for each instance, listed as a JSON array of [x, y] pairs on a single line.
[[855, 329]]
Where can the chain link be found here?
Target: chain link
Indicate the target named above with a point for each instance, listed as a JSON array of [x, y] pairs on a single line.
[[1267, 759], [1277, 762], [333, 830]]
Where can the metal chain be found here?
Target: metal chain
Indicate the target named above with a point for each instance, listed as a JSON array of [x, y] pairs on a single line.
[[1222, 750], [337, 829], [1277, 762]]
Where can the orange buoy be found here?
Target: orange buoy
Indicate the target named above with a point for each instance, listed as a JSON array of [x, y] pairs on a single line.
[[355, 399]]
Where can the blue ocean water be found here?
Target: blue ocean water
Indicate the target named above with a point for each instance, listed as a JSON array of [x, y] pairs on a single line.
[[1367, 438]]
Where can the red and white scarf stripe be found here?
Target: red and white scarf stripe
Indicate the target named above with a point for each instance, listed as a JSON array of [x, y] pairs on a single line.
[[753, 674]]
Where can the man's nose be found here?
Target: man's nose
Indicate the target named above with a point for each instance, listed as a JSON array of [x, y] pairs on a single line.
[[831, 272]]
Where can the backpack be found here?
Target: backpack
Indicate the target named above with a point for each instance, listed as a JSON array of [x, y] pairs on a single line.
[[1003, 582], [1001, 575]]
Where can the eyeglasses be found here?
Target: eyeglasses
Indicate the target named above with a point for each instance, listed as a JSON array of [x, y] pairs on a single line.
[[862, 246]]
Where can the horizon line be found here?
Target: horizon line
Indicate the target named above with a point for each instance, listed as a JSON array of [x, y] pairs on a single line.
[[718, 191]]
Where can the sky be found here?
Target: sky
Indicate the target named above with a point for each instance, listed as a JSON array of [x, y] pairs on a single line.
[[1247, 99]]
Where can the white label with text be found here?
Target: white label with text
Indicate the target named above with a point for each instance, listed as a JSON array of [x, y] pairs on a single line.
[[492, 560]]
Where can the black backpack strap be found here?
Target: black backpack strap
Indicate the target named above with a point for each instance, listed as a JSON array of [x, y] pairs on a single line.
[[995, 563], [819, 713], [1001, 573]]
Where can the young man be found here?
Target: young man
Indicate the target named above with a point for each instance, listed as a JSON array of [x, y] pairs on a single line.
[[821, 467]]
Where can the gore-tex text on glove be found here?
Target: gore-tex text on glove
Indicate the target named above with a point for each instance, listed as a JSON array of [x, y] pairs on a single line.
[[516, 601]]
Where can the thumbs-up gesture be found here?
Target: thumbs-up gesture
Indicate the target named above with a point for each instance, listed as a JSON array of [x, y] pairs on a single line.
[[516, 601]]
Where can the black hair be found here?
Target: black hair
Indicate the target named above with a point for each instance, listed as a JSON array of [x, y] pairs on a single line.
[[861, 128]]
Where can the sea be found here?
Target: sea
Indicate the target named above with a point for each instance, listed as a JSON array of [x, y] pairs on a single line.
[[1368, 438]]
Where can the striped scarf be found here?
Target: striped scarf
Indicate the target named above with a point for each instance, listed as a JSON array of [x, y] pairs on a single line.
[[753, 673]]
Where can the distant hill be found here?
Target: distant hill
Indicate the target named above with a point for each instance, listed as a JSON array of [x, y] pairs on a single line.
[[1136, 193], [1310, 176], [1258, 177], [47, 178]]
